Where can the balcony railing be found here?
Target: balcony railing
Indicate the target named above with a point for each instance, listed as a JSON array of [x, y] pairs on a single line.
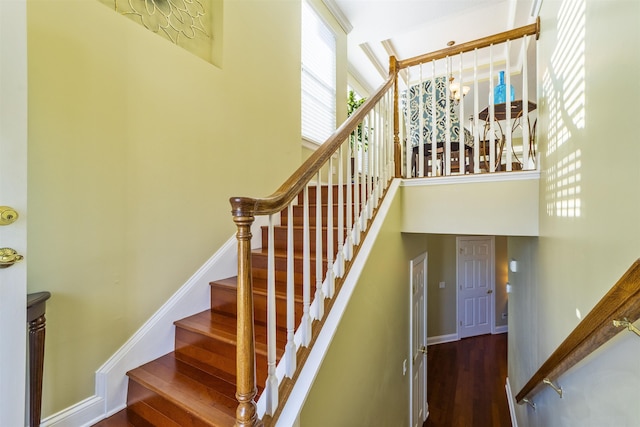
[[469, 108]]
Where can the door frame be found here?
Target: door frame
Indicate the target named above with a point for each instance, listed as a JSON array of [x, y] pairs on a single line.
[[422, 258], [492, 279], [13, 188]]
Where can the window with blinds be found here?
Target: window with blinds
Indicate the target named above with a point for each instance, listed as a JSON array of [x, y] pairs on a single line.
[[318, 77]]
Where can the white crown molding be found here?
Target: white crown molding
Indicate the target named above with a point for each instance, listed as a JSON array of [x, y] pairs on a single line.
[[374, 60], [355, 74], [338, 15]]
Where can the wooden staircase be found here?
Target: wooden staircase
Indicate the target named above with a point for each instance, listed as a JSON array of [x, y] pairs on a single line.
[[195, 384]]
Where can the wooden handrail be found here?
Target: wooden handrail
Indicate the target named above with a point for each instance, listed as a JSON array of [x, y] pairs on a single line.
[[242, 206], [244, 211], [516, 33], [621, 302]]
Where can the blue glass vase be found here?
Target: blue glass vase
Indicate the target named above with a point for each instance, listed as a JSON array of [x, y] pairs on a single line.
[[500, 91]]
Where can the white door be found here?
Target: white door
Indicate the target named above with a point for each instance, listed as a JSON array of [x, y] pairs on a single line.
[[475, 285], [419, 406], [13, 192]]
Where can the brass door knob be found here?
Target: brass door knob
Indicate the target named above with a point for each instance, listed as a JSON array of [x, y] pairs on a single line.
[[7, 215], [8, 257], [490, 291], [423, 349]]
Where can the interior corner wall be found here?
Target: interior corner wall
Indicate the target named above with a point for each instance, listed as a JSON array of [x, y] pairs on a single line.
[[371, 342], [135, 146], [589, 204]]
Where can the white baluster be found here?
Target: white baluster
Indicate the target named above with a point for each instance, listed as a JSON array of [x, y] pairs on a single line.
[[524, 120], [462, 147], [362, 219], [356, 199], [434, 125], [408, 136], [290, 349], [349, 214], [271, 388], [330, 276], [319, 296], [420, 161], [476, 121], [306, 271], [492, 116], [341, 184], [507, 126], [371, 152], [447, 121], [376, 157]]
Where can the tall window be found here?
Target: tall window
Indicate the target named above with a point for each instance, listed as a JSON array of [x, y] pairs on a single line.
[[318, 77]]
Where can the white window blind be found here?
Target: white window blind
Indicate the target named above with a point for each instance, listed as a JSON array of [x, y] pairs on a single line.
[[318, 77]]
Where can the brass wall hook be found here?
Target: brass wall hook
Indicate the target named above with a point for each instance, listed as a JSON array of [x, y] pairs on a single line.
[[530, 403], [625, 323], [558, 390]]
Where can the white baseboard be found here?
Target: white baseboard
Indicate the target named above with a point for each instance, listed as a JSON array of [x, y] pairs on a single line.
[[154, 339], [440, 339], [512, 406], [85, 413], [501, 329]]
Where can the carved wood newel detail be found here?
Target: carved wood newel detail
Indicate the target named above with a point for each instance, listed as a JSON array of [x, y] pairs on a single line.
[[246, 390], [36, 306]]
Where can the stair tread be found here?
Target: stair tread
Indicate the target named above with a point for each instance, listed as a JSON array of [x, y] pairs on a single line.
[[200, 393], [223, 328], [259, 286], [282, 253]]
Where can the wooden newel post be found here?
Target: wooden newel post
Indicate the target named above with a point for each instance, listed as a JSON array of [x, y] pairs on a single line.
[[246, 413], [397, 150], [36, 306]]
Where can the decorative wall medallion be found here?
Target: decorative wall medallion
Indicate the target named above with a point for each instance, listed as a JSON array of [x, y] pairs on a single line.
[[187, 23]]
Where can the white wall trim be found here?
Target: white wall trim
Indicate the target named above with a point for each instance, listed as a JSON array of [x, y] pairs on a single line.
[[441, 339], [512, 407], [154, 339], [302, 386], [84, 413], [339, 16], [501, 329], [472, 178]]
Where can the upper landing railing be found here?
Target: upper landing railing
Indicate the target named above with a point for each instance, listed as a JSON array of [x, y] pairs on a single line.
[[470, 81], [320, 215]]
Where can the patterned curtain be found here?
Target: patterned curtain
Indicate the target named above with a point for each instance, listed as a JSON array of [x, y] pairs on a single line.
[[441, 118]]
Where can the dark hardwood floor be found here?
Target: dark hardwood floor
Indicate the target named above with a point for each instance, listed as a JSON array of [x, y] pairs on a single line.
[[466, 383]]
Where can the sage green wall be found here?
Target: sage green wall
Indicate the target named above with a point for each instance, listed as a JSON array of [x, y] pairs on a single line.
[[135, 147], [441, 312], [441, 303], [477, 207], [371, 342], [589, 60]]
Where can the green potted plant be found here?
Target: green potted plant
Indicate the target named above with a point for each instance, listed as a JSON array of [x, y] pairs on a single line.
[[358, 137]]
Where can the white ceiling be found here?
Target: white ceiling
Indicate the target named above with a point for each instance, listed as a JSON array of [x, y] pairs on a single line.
[[407, 28]]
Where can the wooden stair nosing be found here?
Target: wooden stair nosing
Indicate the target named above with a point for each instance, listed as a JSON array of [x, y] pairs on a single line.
[[220, 327], [184, 386]]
